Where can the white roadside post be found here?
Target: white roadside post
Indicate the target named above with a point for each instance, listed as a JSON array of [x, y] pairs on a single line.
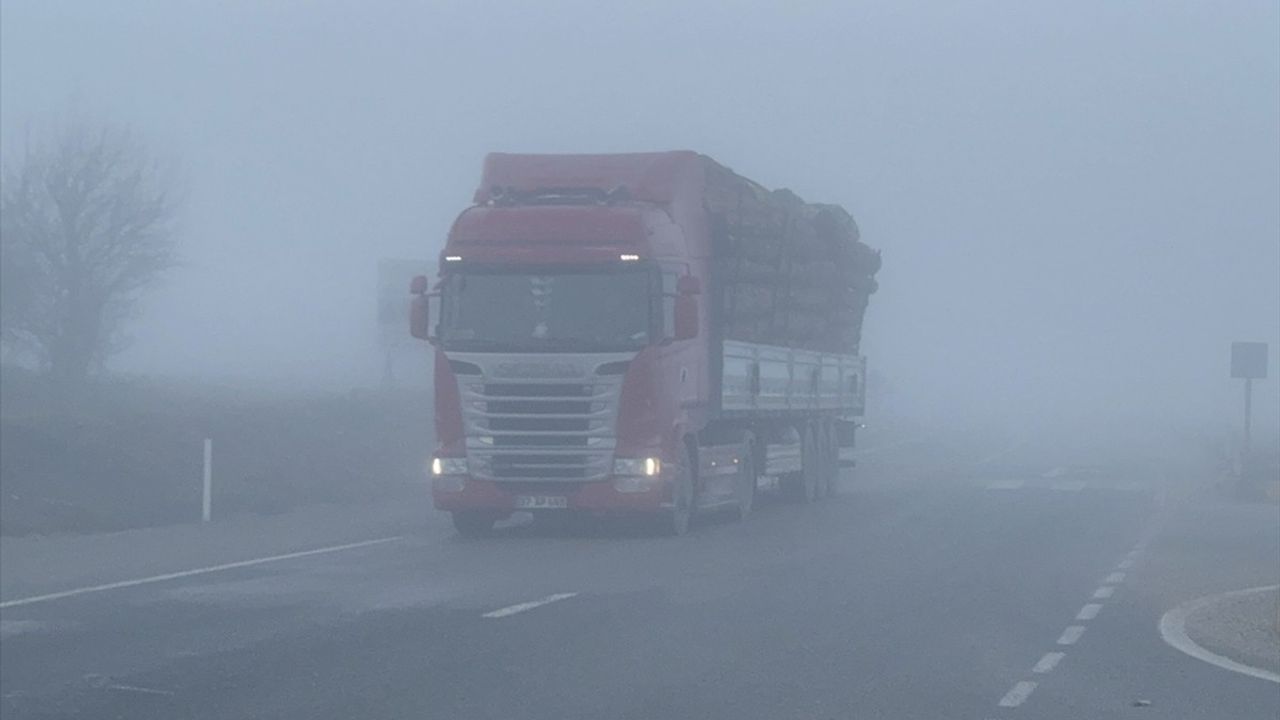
[[206, 505]]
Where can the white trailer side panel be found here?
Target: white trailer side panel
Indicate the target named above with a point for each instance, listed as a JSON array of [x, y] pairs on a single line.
[[769, 378]]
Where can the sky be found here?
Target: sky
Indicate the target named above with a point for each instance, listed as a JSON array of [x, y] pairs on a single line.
[[1078, 203]]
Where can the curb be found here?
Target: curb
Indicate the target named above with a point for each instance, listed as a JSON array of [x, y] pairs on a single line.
[[1174, 632]]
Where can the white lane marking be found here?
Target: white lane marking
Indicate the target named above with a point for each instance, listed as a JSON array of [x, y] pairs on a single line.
[[1072, 486], [193, 572], [1103, 592], [1125, 564], [1089, 612], [1056, 472], [1018, 694], [1173, 628], [1006, 485], [1048, 662], [521, 607], [1114, 578], [1071, 635]]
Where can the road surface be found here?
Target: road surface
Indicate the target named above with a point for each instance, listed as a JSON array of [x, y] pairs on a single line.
[[941, 583]]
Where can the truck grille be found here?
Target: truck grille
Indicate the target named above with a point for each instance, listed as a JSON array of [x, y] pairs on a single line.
[[541, 430]]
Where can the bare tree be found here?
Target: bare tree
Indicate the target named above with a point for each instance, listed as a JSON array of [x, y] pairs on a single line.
[[85, 225]]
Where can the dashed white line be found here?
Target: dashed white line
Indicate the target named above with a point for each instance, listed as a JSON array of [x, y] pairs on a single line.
[[1089, 612], [1048, 662], [1071, 486], [1125, 564], [1103, 592], [521, 607], [190, 573], [1018, 694], [1006, 485], [1114, 578], [1071, 635]]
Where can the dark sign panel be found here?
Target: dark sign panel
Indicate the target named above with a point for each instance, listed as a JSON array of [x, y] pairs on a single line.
[[1249, 360]]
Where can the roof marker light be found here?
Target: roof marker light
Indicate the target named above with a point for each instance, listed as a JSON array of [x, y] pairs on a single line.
[[452, 258], [628, 258]]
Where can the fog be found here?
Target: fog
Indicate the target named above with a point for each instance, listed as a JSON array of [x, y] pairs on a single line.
[[1078, 206]]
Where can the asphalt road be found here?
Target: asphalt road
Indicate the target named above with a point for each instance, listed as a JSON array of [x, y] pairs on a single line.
[[938, 584]]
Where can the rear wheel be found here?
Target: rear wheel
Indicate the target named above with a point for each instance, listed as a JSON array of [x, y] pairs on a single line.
[[680, 516], [745, 487], [801, 486], [473, 523], [831, 457], [811, 463]]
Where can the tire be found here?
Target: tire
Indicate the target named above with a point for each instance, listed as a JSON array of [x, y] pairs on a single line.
[[746, 481], [679, 517], [472, 523], [833, 460], [802, 486], [811, 464]]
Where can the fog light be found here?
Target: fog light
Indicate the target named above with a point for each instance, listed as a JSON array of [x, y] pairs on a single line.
[[448, 466], [648, 466]]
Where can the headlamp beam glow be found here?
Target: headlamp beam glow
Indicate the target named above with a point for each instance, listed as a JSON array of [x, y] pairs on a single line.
[[448, 466], [647, 466]]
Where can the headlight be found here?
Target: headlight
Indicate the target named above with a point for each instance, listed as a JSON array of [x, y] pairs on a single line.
[[648, 466], [448, 466]]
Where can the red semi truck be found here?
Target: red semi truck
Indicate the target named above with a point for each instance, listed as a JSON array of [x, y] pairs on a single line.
[[640, 333]]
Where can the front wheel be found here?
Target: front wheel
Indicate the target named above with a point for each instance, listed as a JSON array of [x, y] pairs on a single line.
[[473, 524], [680, 516], [745, 483]]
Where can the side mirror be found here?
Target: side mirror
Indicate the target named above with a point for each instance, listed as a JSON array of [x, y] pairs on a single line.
[[420, 308], [688, 285], [419, 317], [686, 317]]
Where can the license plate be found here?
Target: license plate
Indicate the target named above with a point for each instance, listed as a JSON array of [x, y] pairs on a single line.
[[541, 502]]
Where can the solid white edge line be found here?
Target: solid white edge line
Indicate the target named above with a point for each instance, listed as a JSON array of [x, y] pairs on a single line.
[[1114, 578], [521, 607], [1173, 629], [1125, 564], [1071, 635], [1089, 612], [1018, 694], [1103, 592], [1048, 662], [189, 573]]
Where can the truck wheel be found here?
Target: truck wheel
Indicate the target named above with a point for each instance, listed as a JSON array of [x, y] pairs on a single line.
[[833, 460], [745, 487], [473, 524], [802, 486], [683, 498], [812, 463]]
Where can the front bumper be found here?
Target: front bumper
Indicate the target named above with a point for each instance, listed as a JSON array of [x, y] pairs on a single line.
[[597, 497]]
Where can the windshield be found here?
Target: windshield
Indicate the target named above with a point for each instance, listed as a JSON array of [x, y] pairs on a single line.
[[585, 311]]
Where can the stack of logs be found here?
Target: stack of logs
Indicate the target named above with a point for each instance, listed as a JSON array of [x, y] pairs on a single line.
[[789, 273]]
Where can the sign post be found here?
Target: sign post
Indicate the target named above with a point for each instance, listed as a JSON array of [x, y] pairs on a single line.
[[1248, 362]]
